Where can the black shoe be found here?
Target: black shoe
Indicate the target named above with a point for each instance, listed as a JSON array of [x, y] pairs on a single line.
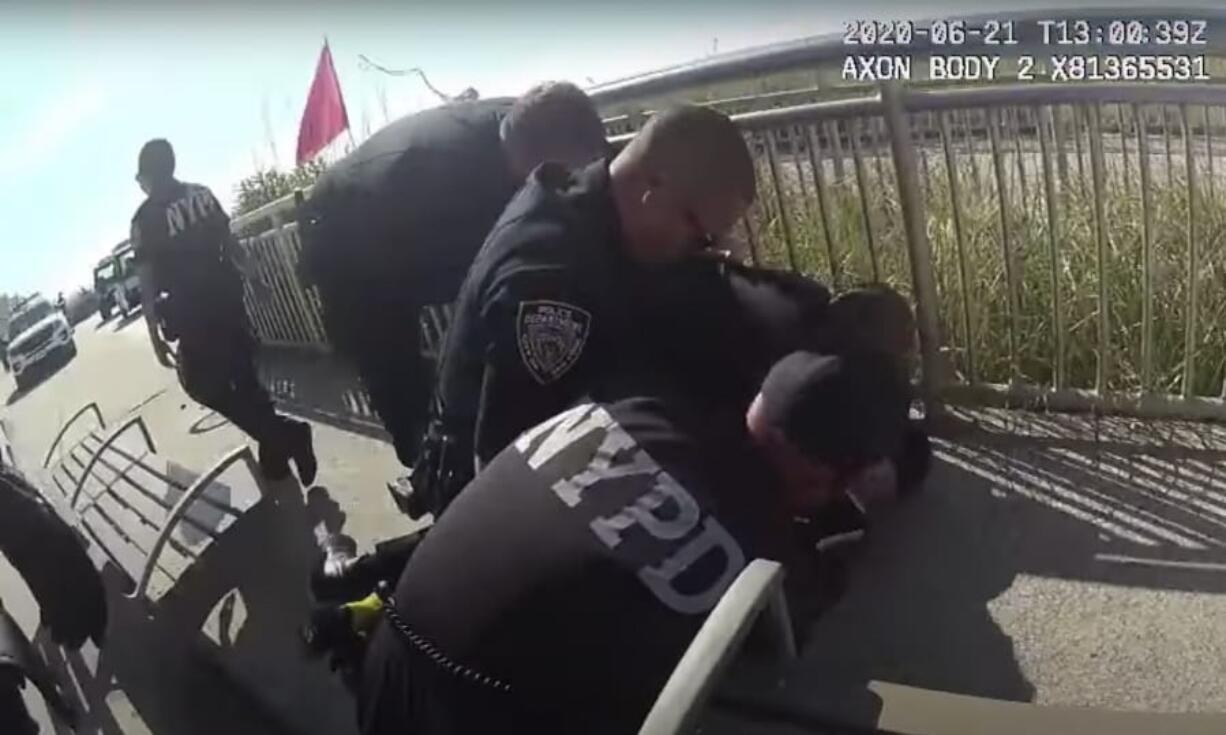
[[401, 490], [273, 463], [302, 451]]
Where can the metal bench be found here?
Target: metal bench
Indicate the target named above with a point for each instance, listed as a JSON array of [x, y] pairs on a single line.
[[758, 587], [132, 511]]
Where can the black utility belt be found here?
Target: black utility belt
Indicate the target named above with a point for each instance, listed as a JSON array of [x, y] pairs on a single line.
[[424, 647]]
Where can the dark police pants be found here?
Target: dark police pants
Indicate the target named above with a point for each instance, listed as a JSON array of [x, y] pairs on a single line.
[[216, 366], [402, 690], [381, 334]]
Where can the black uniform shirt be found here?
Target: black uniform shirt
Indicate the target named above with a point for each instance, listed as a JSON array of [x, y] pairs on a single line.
[[410, 207], [718, 326], [591, 550], [547, 308], [182, 232]]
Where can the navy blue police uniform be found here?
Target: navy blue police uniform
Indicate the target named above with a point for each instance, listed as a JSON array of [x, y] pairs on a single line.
[[546, 310], [593, 547], [183, 233], [393, 227]]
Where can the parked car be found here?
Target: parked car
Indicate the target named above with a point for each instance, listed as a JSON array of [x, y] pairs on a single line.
[[37, 331]]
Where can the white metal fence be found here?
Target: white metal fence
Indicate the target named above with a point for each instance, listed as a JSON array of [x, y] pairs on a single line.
[[285, 311], [1062, 243]]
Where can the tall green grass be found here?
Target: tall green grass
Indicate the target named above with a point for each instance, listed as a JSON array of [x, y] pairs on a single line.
[[1077, 274]]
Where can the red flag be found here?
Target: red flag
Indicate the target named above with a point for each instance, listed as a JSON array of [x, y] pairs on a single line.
[[324, 117]]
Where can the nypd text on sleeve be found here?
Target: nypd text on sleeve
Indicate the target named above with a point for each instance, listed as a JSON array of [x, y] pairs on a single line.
[[678, 531]]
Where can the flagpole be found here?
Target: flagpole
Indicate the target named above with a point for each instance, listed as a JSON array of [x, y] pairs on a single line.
[[348, 128]]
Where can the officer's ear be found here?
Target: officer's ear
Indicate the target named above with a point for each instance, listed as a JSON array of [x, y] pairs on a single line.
[[651, 192]]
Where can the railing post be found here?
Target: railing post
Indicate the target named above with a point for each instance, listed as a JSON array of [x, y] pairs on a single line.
[[919, 249]]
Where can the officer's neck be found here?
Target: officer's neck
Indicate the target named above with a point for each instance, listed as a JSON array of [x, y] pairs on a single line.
[[160, 188]]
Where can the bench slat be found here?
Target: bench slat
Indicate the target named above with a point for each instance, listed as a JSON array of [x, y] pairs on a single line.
[[140, 532], [63, 487], [126, 555], [72, 471], [167, 480], [109, 546], [139, 487], [98, 481]]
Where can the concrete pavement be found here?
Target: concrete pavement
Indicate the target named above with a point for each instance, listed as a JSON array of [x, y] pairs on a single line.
[[115, 368]]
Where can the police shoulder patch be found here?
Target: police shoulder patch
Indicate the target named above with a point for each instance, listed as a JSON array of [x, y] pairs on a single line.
[[551, 336]]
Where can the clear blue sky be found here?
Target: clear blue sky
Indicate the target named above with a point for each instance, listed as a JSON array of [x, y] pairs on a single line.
[[82, 88]]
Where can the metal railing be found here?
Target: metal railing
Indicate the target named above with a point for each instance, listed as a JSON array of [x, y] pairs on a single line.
[[285, 312], [1050, 171], [1061, 242]]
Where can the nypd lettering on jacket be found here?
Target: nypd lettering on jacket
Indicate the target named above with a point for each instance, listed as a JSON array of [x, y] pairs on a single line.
[[196, 207], [680, 552]]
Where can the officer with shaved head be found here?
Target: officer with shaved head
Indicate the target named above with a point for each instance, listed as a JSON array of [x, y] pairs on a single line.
[[550, 305], [395, 225]]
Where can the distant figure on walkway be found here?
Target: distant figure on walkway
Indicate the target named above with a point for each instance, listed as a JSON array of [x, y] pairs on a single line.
[[191, 291], [395, 225]]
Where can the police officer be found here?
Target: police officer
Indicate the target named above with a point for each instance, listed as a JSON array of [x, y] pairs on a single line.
[[395, 225], [596, 543], [191, 291], [717, 327], [549, 305]]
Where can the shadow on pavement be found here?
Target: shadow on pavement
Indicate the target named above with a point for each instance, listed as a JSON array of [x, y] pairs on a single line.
[[220, 651], [1148, 498], [210, 421], [1051, 500], [121, 321], [320, 387], [324, 512], [43, 372]]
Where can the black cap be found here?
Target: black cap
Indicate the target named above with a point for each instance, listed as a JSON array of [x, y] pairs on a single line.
[[846, 411], [156, 160]]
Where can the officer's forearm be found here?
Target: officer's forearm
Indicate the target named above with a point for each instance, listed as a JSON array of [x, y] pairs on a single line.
[[148, 304]]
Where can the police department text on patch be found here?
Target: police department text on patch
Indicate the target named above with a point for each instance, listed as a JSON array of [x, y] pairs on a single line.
[[551, 336]]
